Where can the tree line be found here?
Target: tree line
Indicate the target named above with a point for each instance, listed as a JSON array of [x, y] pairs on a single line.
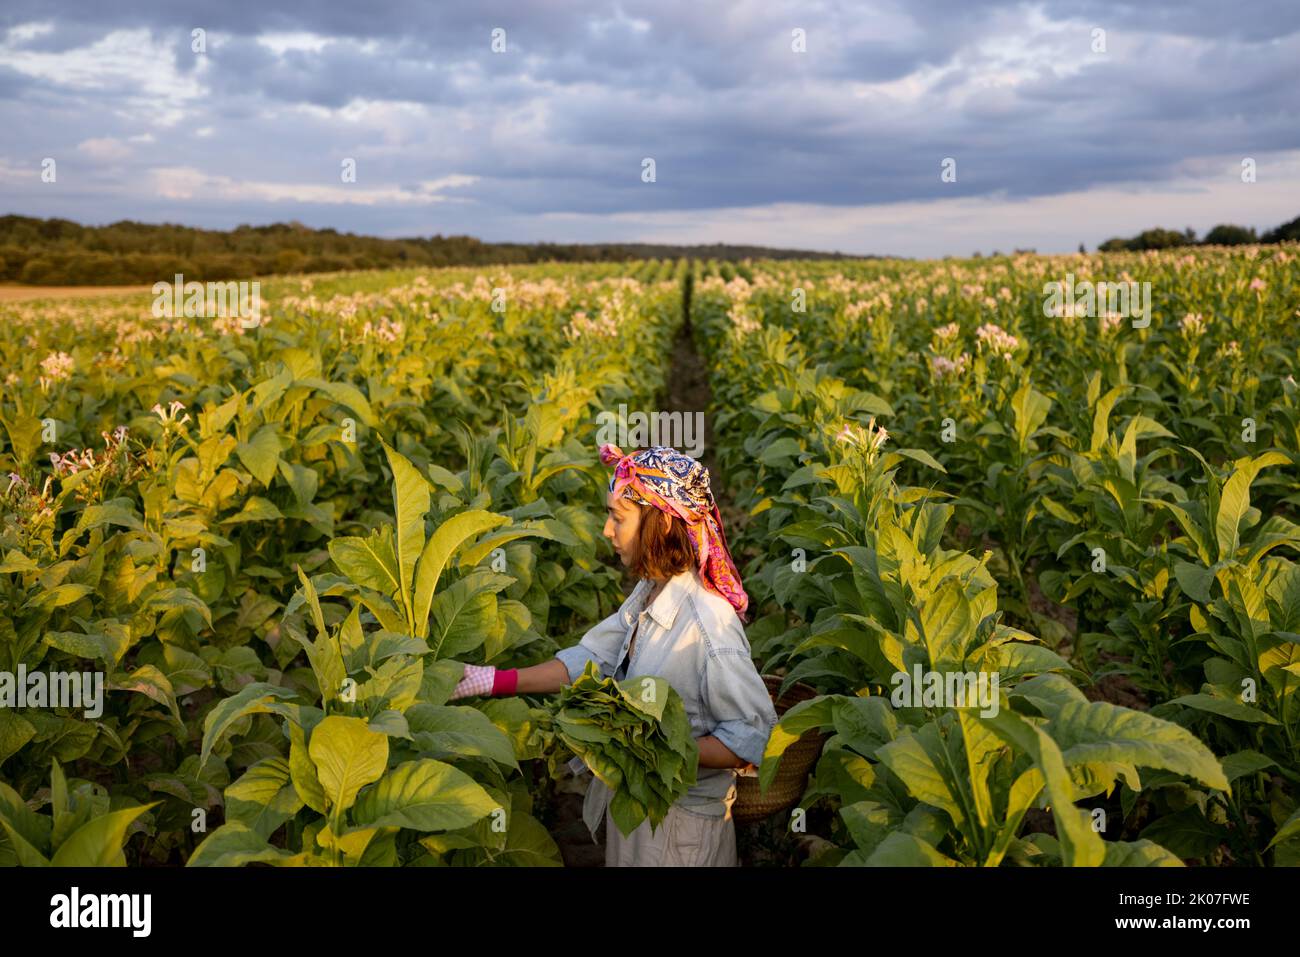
[[1222, 235], [59, 252]]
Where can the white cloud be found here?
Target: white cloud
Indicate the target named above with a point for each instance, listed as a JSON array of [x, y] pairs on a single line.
[[105, 149], [280, 43], [188, 183], [128, 60]]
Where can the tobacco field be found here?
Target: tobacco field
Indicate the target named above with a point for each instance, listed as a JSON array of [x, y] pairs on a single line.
[[280, 544]]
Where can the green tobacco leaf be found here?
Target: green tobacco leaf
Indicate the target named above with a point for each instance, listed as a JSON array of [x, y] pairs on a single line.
[[1030, 408], [1138, 854], [442, 544], [370, 562], [261, 454], [263, 798], [424, 795], [473, 554], [918, 759], [1224, 707], [98, 842], [1048, 693], [256, 698], [57, 597], [646, 693], [1241, 763], [101, 647], [807, 715], [869, 823], [348, 756], [465, 613], [1234, 501], [324, 654], [1101, 417], [922, 456], [24, 852], [117, 512], [1081, 846], [256, 509], [345, 394], [152, 683], [15, 731], [528, 844], [1185, 833], [1290, 829], [302, 772], [900, 850], [460, 731], [946, 626], [1101, 732], [234, 845], [411, 502]]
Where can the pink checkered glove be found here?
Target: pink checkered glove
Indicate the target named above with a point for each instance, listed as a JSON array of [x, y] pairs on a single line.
[[485, 679]]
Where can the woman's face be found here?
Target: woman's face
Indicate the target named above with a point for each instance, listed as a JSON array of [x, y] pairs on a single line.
[[622, 523]]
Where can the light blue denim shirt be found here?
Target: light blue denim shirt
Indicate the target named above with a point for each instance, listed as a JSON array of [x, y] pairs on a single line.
[[693, 639]]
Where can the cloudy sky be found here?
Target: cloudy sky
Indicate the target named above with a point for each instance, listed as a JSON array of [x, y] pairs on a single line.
[[811, 125]]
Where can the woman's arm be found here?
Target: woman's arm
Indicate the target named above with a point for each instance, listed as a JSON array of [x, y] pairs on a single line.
[[715, 754], [546, 678]]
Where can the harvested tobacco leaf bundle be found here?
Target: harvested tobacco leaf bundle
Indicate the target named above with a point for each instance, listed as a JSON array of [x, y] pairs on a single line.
[[635, 737]]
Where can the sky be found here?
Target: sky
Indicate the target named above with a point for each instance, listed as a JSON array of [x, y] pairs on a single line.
[[820, 126]]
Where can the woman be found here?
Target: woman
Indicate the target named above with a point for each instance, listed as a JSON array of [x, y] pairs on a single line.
[[682, 622]]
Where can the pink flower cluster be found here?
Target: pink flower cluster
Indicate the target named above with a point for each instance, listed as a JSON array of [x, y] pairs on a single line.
[[944, 368]]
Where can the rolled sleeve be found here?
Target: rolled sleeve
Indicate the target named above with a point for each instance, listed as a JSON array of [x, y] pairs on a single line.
[[600, 644], [739, 703], [575, 658]]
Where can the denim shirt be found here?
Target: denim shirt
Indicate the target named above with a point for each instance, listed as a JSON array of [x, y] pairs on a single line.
[[693, 639]]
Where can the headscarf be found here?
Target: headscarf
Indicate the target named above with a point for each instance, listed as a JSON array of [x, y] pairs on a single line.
[[677, 484]]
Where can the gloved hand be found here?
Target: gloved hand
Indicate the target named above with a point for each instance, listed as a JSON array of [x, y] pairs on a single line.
[[486, 679]]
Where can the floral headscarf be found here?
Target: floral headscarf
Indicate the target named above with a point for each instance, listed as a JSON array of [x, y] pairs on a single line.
[[677, 484]]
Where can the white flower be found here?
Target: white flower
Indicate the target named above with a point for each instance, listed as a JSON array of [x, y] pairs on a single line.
[[947, 333], [870, 439], [1192, 324], [997, 340], [57, 366], [168, 415]]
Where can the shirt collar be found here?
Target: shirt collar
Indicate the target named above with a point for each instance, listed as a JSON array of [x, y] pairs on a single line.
[[664, 608]]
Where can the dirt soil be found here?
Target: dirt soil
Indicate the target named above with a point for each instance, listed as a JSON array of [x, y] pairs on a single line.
[[20, 293]]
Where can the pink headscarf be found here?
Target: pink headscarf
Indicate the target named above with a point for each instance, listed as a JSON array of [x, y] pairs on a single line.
[[677, 484]]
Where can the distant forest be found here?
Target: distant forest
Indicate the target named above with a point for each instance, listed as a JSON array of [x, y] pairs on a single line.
[[1224, 235], [58, 252]]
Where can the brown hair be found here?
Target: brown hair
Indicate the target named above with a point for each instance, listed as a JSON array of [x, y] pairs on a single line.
[[663, 547]]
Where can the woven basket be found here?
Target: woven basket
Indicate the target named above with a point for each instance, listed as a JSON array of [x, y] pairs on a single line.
[[792, 776]]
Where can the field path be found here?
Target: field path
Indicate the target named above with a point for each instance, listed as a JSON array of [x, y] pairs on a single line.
[[688, 392]]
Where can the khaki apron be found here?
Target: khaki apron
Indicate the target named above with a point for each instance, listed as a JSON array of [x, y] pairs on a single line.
[[683, 839]]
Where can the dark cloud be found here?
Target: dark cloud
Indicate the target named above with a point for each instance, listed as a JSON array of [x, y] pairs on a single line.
[[561, 123]]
